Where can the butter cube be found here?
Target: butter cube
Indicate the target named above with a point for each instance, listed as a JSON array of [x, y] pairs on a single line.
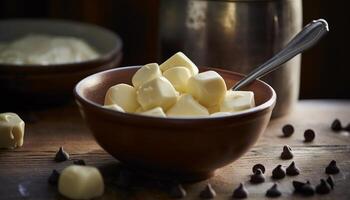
[[124, 96], [187, 106], [114, 107], [178, 76], [179, 59], [221, 114], [214, 109], [237, 100], [11, 130], [146, 73], [208, 88], [157, 93], [80, 182], [156, 112]]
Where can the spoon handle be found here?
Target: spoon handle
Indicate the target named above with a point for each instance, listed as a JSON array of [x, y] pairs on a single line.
[[305, 39]]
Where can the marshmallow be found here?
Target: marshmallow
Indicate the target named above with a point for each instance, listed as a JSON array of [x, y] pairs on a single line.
[[80, 182], [237, 100], [146, 73], [208, 88], [156, 112], [157, 93], [179, 59], [187, 106], [11, 130], [124, 96], [178, 76], [114, 107]]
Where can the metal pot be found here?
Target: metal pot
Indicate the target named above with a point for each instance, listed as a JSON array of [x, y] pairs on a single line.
[[237, 35]]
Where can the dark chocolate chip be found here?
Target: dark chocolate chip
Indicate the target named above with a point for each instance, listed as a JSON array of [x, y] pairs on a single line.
[[309, 135], [177, 192], [259, 166], [287, 130], [278, 172], [336, 125], [332, 168], [323, 187], [330, 181], [240, 192], [273, 191], [208, 192], [79, 162], [124, 179], [297, 186], [292, 170], [307, 189], [257, 177], [61, 155], [286, 153], [53, 178]]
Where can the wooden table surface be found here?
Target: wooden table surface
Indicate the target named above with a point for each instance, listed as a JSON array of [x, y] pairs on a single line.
[[24, 171]]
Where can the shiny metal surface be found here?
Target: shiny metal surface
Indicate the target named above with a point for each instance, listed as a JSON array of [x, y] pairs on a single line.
[[235, 35], [304, 40]]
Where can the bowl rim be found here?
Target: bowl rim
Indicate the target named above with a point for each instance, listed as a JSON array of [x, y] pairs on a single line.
[[102, 58], [131, 116]]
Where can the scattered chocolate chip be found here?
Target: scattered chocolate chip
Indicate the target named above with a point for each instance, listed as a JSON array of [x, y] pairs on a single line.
[[306, 189], [286, 153], [53, 178], [258, 166], [336, 125], [309, 135], [278, 172], [292, 170], [332, 168], [273, 191], [347, 127], [297, 186], [124, 179], [257, 177], [208, 192], [287, 130], [323, 187], [240, 192], [79, 162], [61, 155], [330, 181], [177, 192]]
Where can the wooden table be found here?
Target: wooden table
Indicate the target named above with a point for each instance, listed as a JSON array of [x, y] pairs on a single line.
[[24, 171]]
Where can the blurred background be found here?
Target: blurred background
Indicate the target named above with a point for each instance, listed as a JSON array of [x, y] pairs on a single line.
[[324, 71]]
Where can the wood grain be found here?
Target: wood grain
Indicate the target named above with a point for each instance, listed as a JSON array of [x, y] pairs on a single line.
[[24, 171]]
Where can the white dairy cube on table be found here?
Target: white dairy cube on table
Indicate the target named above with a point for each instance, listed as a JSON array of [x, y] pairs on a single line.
[[237, 100], [158, 92], [187, 106], [208, 88], [146, 73], [11, 130], [81, 182], [178, 76], [177, 60], [156, 112], [122, 95], [114, 107]]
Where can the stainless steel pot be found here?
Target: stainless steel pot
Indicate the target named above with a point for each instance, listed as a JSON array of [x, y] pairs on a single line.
[[237, 35]]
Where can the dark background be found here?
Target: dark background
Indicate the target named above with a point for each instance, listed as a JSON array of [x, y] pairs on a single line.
[[325, 73]]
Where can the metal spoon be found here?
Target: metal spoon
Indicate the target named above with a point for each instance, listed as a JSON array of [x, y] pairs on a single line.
[[305, 39]]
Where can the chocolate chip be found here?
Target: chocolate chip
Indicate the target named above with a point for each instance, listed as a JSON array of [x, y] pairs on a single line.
[[240, 192], [79, 162], [332, 168], [53, 178], [286, 153], [323, 187], [258, 166], [273, 191], [257, 177], [124, 179], [307, 189], [208, 192], [61, 155], [177, 192], [287, 130], [278, 172], [297, 186], [330, 181], [336, 125], [309, 135], [292, 170]]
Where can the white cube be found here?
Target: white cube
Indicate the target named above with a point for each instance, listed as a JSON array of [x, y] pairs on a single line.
[[11, 130], [237, 100], [123, 95], [156, 112], [177, 60], [187, 106], [146, 73], [178, 76]]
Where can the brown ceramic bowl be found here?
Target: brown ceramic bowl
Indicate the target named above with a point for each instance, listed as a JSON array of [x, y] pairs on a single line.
[[46, 84], [187, 149]]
